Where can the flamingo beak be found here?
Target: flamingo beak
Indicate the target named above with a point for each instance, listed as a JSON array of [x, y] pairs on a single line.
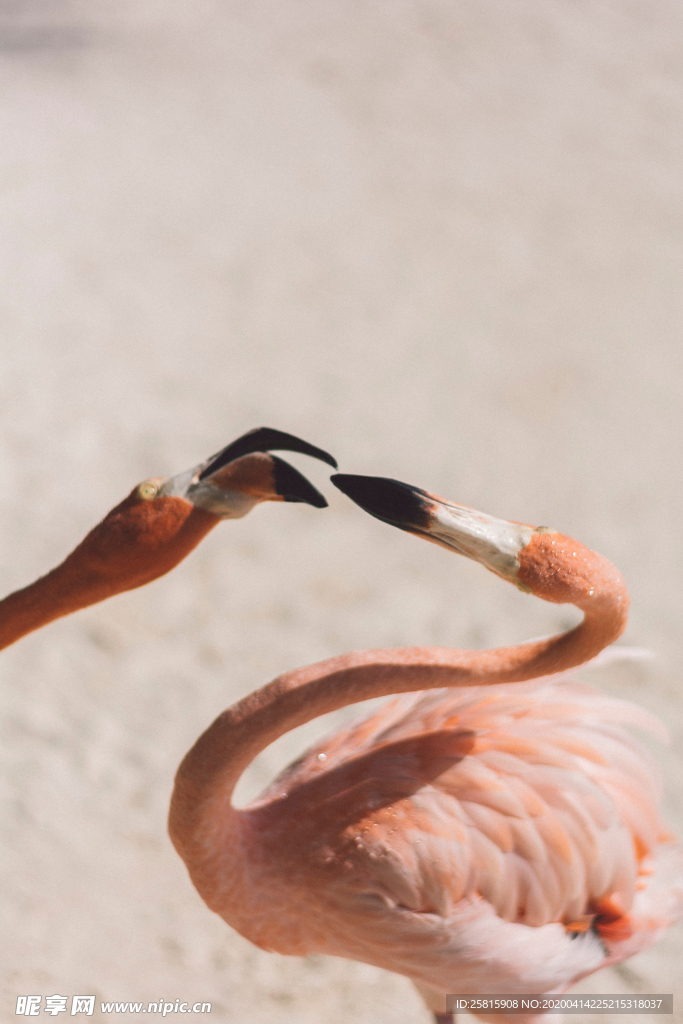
[[291, 485], [392, 501], [263, 439], [243, 473], [496, 543]]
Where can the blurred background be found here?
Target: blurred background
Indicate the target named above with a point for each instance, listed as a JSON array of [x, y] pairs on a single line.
[[441, 239]]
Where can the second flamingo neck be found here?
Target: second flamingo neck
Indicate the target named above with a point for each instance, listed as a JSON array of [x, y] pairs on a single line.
[[554, 567], [213, 766]]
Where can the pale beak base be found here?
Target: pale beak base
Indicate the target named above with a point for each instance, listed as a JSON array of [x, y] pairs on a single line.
[[496, 543]]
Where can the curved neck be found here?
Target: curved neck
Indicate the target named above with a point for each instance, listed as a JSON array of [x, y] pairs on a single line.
[[135, 543], [201, 803]]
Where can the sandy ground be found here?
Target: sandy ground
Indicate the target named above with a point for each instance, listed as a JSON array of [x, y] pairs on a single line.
[[442, 240]]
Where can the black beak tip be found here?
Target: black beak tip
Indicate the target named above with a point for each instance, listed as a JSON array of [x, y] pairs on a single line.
[[264, 439], [392, 501], [329, 459], [292, 486], [316, 500]]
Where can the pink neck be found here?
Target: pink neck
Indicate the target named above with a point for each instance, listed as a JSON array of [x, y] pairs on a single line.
[[201, 810], [49, 598], [137, 542]]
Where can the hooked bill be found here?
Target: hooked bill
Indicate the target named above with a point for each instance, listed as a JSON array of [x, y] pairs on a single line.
[[291, 485], [264, 439]]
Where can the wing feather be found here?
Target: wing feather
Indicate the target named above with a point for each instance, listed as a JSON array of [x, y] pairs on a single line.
[[532, 797]]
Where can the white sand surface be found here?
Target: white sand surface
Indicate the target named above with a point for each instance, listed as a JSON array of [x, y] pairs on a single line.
[[442, 240]]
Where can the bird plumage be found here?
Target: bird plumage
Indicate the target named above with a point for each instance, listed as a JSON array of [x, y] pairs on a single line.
[[454, 831], [492, 829]]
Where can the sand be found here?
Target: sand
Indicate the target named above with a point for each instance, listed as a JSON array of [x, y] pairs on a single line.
[[441, 240]]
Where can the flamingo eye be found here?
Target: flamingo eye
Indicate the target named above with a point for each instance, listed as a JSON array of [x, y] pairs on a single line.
[[148, 490]]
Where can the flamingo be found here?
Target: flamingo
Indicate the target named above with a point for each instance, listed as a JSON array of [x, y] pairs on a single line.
[[158, 524], [493, 829]]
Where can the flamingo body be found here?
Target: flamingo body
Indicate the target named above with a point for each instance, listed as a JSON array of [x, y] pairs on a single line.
[[477, 840], [492, 829]]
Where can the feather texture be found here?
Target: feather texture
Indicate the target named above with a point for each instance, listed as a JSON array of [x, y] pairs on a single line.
[[456, 836]]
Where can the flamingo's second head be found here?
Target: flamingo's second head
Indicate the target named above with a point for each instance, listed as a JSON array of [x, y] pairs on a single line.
[[537, 560]]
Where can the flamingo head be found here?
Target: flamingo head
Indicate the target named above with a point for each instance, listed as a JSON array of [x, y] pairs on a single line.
[[162, 520], [537, 560], [241, 475]]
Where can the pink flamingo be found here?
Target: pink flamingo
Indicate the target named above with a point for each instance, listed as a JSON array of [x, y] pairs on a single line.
[[158, 524], [474, 835]]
